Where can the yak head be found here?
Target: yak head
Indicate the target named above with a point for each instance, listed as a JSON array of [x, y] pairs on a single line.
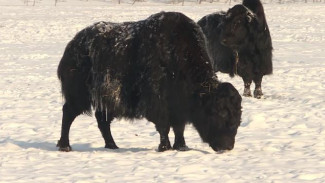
[[237, 28], [218, 115]]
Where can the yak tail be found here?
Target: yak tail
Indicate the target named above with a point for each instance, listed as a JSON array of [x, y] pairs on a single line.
[[74, 72]]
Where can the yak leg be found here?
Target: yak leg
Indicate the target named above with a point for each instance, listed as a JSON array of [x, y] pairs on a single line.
[[69, 114], [179, 143], [258, 87], [247, 85], [164, 139], [104, 124]]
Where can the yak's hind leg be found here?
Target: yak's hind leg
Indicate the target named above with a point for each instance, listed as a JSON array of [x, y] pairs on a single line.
[[258, 87], [104, 120], [179, 143], [247, 87], [69, 114], [164, 139]]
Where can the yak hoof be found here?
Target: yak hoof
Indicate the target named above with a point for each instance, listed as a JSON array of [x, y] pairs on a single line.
[[164, 147], [111, 146], [63, 148], [258, 93], [247, 93], [181, 147]]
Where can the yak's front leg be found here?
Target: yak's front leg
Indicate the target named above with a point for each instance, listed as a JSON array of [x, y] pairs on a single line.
[[179, 143], [164, 139], [104, 124], [247, 87], [69, 114], [258, 87]]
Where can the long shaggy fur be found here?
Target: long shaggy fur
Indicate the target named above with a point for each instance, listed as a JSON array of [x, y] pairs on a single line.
[[242, 31], [74, 67], [157, 68]]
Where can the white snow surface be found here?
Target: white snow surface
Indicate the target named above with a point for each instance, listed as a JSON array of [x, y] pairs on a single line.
[[281, 138]]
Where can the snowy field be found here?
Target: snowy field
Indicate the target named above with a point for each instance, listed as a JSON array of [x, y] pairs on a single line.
[[281, 138]]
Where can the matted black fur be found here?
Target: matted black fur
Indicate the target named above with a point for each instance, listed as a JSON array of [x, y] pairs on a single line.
[[157, 68], [239, 42]]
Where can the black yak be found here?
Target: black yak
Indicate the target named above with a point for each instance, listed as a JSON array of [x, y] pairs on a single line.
[[239, 42], [158, 69]]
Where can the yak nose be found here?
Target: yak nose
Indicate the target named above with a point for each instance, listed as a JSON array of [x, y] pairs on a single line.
[[223, 149]]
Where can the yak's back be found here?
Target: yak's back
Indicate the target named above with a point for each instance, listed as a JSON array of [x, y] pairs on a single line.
[[139, 61]]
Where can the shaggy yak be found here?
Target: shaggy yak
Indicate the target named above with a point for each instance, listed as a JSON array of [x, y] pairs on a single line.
[[158, 69], [239, 42]]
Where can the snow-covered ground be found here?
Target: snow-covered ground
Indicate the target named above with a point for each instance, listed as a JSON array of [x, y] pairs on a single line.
[[281, 139]]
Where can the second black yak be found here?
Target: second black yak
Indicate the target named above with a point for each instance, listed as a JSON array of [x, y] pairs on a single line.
[[158, 69], [239, 42]]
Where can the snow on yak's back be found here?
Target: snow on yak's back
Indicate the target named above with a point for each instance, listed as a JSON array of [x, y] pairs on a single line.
[[157, 68]]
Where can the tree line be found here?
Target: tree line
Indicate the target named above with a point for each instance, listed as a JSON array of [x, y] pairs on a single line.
[[55, 2]]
